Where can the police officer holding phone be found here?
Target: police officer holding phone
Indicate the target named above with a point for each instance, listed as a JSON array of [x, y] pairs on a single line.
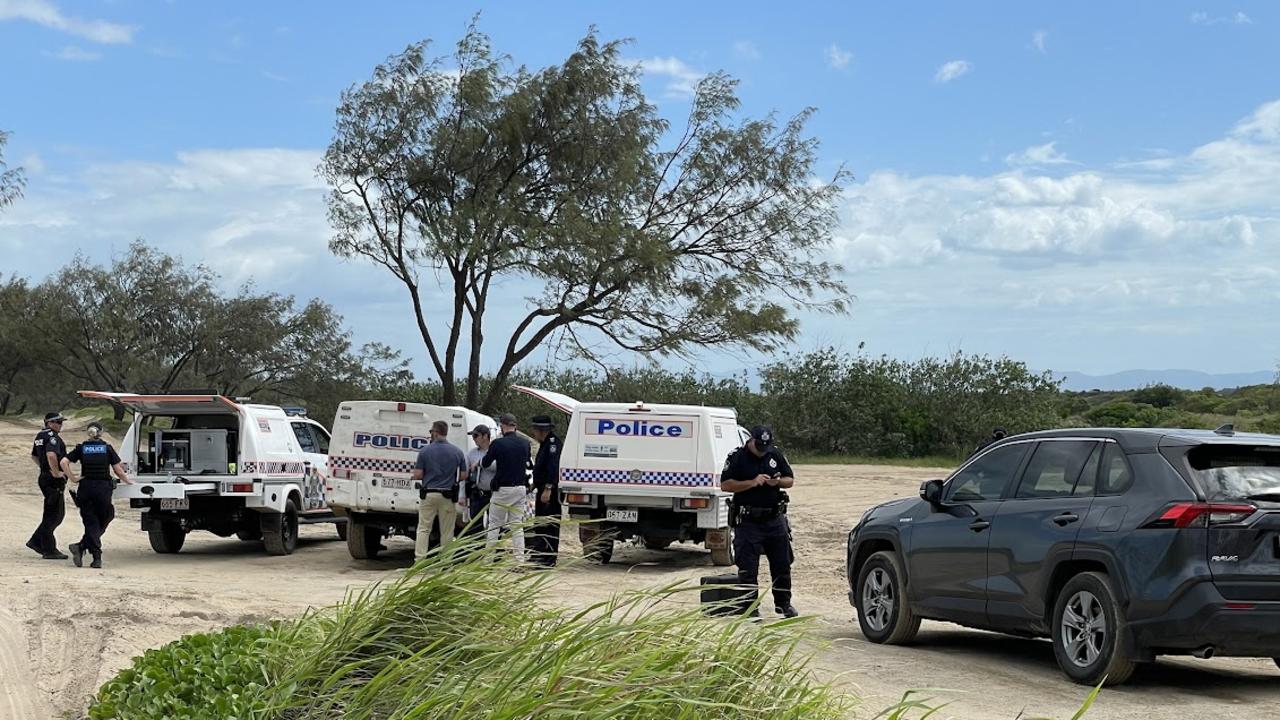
[[97, 461], [756, 474], [47, 452]]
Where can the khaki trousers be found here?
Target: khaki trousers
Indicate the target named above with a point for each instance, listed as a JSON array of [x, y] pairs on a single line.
[[433, 506]]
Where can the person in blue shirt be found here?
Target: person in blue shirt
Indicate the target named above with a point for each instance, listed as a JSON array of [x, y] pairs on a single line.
[[440, 469], [47, 452], [509, 456]]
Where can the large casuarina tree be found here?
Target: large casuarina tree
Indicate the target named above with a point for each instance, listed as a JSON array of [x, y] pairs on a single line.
[[464, 174]]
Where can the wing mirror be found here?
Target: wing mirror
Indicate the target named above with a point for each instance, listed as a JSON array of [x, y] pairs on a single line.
[[931, 492]]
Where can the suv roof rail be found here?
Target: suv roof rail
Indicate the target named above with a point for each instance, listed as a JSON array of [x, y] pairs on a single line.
[[1226, 429]]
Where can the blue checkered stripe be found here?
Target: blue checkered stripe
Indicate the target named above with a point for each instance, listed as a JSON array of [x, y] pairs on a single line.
[[366, 463], [645, 477]]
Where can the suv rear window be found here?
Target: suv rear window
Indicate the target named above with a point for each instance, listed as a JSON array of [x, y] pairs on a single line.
[[1234, 472]]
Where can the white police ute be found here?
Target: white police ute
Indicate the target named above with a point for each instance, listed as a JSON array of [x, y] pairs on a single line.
[[646, 471], [208, 462], [375, 445]]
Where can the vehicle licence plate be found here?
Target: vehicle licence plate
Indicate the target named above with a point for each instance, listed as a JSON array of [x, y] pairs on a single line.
[[175, 504], [394, 483], [622, 515]]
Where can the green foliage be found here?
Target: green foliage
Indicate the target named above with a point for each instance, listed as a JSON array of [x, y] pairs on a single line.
[[469, 171], [207, 676], [149, 323], [12, 180]]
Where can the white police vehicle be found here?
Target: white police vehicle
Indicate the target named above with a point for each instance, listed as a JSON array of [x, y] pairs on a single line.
[[375, 444], [208, 462], [646, 471]]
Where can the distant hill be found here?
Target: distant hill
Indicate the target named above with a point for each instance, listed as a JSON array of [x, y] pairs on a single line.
[[1185, 379]]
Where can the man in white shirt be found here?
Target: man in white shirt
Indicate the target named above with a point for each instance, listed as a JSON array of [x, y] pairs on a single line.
[[479, 479]]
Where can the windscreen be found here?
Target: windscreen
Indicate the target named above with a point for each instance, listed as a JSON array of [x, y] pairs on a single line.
[[1236, 472]]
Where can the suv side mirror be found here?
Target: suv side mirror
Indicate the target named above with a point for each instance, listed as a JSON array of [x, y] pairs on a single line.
[[931, 492]]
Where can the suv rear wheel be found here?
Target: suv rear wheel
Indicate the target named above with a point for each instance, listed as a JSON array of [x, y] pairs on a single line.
[[363, 541], [1087, 624], [883, 612], [168, 539]]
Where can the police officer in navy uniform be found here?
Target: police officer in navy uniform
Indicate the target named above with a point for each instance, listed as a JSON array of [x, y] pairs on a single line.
[[756, 474], [47, 452], [544, 538], [97, 461]]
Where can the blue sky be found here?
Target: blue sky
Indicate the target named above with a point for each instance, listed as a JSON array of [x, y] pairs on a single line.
[[1091, 187]]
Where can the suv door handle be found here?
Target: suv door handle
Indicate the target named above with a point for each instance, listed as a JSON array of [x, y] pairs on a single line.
[[979, 525], [1066, 519]]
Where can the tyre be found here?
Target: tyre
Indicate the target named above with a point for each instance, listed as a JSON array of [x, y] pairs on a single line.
[[168, 539], [363, 541], [280, 530], [884, 614], [597, 543], [1087, 625], [723, 557], [341, 527]]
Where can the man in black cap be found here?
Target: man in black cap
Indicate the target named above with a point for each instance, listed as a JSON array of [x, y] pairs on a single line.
[[544, 537], [479, 479], [996, 436], [756, 474], [97, 461], [48, 452], [509, 455]]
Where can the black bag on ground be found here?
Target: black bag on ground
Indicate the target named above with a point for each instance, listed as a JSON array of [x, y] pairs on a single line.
[[724, 595]]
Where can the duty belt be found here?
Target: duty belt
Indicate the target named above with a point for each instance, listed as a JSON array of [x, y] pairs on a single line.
[[761, 514]]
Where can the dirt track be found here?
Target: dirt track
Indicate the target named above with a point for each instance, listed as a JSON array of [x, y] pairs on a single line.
[[64, 631]]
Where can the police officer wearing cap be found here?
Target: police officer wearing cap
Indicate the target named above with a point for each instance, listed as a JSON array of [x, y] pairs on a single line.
[[756, 474], [48, 452], [544, 538], [97, 461]]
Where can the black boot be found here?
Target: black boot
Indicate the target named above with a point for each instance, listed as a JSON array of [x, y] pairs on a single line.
[[77, 554], [35, 546], [97, 561], [787, 610], [55, 555]]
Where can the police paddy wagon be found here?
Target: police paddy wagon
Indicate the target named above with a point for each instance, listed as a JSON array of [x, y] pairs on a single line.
[[375, 445], [207, 462], [646, 471]]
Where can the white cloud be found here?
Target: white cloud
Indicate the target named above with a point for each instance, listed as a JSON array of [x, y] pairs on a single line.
[[1037, 40], [682, 79], [1219, 202], [44, 12], [71, 53], [274, 76], [32, 164], [746, 50], [952, 70], [1237, 18], [1039, 155], [838, 57]]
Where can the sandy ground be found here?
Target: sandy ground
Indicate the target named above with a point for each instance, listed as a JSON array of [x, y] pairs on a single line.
[[64, 631]]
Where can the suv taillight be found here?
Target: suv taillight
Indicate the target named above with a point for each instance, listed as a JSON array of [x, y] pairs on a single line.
[[1181, 515]]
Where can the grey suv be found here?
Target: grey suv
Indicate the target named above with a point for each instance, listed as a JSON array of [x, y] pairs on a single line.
[[1120, 545]]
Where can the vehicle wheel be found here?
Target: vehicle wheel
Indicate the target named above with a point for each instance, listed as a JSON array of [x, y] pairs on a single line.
[[654, 543], [597, 543], [341, 527], [168, 539], [280, 530], [884, 614], [723, 557], [363, 541], [1087, 625]]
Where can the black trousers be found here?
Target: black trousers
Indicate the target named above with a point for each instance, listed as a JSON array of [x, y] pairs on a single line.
[[55, 510], [478, 502], [96, 512], [543, 538], [771, 538]]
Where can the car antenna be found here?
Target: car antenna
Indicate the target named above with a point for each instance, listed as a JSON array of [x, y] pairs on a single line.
[[1226, 429]]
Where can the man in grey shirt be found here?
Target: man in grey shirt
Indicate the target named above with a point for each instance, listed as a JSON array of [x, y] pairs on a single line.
[[479, 479], [440, 468]]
